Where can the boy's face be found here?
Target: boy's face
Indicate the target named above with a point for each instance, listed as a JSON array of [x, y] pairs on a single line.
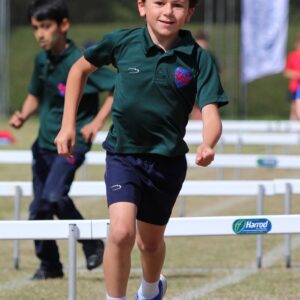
[[165, 17], [49, 34]]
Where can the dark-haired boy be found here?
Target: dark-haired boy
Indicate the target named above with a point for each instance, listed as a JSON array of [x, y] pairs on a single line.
[[52, 173]]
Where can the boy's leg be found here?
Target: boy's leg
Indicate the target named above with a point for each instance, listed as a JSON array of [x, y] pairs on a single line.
[[152, 249], [39, 209], [293, 111], [118, 249], [56, 191]]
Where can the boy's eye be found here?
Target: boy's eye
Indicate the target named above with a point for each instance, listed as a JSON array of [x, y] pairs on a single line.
[[45, 26], [178, 4]]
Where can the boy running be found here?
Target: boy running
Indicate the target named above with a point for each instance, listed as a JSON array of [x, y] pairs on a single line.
[[52, 173], [161, 71]]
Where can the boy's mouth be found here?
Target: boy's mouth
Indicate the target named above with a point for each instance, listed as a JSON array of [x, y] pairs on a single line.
[[43, 44], [167, 22]]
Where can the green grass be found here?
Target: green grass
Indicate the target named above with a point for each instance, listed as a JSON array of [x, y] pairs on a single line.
[[191, 263]]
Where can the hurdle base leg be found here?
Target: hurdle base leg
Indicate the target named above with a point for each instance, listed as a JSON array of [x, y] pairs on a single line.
[[288, 262]]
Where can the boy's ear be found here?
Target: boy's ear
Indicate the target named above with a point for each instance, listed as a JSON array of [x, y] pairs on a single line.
[[64, 25], [141, 7], [190, 14]]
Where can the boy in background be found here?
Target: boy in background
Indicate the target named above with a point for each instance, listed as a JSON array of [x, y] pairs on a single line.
[[52, 173], [292, 72], [161, 71]]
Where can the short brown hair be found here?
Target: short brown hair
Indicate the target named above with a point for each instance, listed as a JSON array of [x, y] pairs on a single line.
[[193, 3]]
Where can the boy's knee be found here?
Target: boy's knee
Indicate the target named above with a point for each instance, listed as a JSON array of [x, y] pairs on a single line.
[[149, 247], [122, 237], [40, 214], [52, 197]]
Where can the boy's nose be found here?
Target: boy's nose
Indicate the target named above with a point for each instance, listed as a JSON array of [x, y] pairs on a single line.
[[39, 34], [168, 9]]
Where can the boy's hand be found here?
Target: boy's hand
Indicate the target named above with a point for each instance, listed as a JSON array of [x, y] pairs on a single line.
[[204, 156], [65, 142], [16, 120], [89, 131]]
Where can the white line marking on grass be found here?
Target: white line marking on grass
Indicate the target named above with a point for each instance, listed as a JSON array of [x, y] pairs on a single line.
[[15, 284], [237, 276]]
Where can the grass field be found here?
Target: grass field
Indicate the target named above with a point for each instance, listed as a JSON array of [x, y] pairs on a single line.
[[214, 268]]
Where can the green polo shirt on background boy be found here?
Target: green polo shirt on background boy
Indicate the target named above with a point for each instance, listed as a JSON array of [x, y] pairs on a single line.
[[48, 83], [156, 89]]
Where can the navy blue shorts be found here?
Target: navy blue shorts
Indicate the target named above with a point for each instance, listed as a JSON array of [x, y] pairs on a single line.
[[150, 181], [292, 96]]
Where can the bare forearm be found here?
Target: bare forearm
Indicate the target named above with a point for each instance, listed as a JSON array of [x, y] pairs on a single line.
[[66, 138], [30, 106], [18, 118], [292, 74], [75, 84], [212, 125]]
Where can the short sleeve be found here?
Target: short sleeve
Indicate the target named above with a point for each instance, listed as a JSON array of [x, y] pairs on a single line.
[[102, 52], [209, 87], [103, 79], [35, 87]]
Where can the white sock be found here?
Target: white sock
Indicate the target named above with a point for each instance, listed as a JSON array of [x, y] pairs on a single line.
[[148, 290], [111, 298]]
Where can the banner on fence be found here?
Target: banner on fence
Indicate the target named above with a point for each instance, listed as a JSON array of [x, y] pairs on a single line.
[[263, 38]]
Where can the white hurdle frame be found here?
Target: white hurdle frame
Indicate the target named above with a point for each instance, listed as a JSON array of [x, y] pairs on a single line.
[[284, 126], [257, 188], [221, 161], [95, 229], [287, 187], [238, 139]]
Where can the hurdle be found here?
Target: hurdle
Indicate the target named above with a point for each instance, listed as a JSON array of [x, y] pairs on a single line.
[[235, 138], [255, 188], [288, 188], [236, 161], [72, 230], [285, 126]]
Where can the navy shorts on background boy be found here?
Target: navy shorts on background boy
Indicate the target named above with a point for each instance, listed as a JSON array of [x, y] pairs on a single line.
[[151, 181]]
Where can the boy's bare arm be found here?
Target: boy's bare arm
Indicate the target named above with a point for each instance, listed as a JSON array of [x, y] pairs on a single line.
[[212, 130], [291, 74], [65, 140], [90, 130], [30, 105]]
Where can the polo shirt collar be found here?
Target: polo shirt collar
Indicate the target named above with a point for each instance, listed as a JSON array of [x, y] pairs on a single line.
[[58, 57], [185, 45]]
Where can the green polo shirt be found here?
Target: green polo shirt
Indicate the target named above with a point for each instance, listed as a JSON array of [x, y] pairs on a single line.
[[155, 90], [48, 84]]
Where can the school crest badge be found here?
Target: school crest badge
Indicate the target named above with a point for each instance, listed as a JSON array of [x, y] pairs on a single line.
[[182, 77], [61, 89]]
